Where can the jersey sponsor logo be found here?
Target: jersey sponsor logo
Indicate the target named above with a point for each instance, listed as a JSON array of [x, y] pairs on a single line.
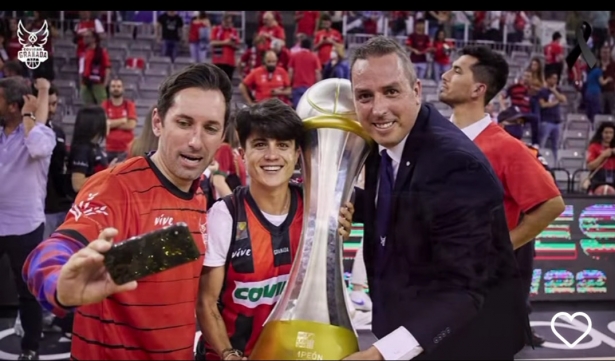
[[280, 251], [241, 253], [85, 208], [254, 294], [163, 220]]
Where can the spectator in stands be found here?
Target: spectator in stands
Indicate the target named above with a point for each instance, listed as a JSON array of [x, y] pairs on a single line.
[[554, 55], [169, 32], [442, 50], [516, 22], [372, 22], [199, 37], [608, 81], [13, 46], [493, 27], [96, 71], [337, 20], [267, 81], [4, 56], [593, 91], [298, 38], [27, 148], [253, 56], [397, 22], [337, 66], [537, 82], [121, 119], [551, 99], [601, 157], [147, 141], [86, 155], [304, 70], [307, 22], [282, 52], [600, 27], [418, 44], [230, 162], [13, 68], [85, 26], [224, 44], [326, 38], [45, 69], [271, 30], [461, 21], [261, 17], [519, 96]]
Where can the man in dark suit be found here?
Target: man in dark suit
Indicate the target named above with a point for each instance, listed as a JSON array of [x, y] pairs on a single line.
[[440, 264]]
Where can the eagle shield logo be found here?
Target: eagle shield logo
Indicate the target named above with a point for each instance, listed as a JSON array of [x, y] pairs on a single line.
[[32, 53]]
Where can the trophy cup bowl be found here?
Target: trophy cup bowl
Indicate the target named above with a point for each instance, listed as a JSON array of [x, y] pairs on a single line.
[[311, 320]]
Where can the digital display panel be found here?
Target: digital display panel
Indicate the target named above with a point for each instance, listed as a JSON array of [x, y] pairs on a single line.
[[575, 255]]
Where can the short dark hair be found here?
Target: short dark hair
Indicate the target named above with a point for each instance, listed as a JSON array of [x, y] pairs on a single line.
[[306, 43], [272, 119], [15, 88], [491, 69], [52, 90], [205, 76], [380, 46], [597, 137], [325, 17], [14, 66], [556, 36], [91, 121]]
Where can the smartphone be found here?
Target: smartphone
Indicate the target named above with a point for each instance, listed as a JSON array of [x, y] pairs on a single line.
[[151, 253]]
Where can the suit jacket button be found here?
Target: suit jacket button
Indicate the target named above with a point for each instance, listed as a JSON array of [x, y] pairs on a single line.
[[448, 330], [435, 340]]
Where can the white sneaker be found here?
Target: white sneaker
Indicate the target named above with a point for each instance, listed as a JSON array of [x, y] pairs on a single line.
[[362, 320], [18, 328], [361, 301]]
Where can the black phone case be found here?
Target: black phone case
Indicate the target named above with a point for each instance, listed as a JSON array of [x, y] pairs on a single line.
[[151, 253]]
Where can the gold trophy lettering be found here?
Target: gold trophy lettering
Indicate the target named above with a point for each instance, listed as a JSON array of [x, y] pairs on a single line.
[[311, 320]]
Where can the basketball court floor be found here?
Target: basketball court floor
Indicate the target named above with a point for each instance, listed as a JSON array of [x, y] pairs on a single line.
[[599, 344]]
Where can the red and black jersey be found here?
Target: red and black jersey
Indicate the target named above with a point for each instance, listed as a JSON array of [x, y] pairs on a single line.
[[258, 265]]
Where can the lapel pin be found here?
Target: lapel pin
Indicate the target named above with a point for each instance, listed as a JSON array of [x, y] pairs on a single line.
[[407, 164]]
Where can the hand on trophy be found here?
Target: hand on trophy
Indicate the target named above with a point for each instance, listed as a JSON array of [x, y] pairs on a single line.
[[346, 213]]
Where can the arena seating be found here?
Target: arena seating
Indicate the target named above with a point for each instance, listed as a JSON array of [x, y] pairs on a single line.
[[142, 86]]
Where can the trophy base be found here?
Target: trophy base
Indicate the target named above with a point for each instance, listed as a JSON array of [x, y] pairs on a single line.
[[304, 340]]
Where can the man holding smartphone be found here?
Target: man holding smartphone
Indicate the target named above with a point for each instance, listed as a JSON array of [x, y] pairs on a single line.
[[66, 272]]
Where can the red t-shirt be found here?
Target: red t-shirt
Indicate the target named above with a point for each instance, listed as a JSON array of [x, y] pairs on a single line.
[[249, 60], [96, 73], [552, 51], [119, 139], [526, 182], [442, 53], [193, 32], [324, 51], [284, 58], [13, 48], [275, 31], [225, 54], [304, 64], [230, 162], [263, 82], [81, 28], [419, 42], [594, 150], [307, 24]]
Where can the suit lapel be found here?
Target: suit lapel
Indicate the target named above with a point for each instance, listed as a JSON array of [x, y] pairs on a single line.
[[371, 183]]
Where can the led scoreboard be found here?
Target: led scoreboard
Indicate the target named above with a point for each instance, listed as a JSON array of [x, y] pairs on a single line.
[[575, 255]]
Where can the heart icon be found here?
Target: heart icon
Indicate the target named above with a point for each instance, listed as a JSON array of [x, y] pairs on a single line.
[[571, 317]]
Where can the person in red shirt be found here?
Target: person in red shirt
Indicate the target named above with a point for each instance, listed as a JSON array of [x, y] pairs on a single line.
[[601, 156], [267, 81], [66, 272], [307, 22], [252, 57], [326, 38], [95, 70], [199, 37], [304, 70], [271, 30], [45, 69], [418, 44], [261, 17], [442, 50], [86, 24], [529, 190], [121, 119], [13, 46], [283, 54], [230, 162], [224, 43], [554, 56]]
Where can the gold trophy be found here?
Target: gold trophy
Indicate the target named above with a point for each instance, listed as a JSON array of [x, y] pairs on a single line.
[[311, 320]]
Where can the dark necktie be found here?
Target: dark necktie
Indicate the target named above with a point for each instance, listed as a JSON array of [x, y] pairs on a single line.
[[383, 206]]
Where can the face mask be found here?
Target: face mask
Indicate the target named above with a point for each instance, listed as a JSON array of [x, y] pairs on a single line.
[[270, 68]]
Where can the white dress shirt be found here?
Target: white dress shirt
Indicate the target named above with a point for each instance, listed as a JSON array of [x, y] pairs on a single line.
[[473, 130], [399, 344]]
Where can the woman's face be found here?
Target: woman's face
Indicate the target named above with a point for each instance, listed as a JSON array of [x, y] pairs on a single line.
[[607, 134], [534, 66], [440, 35]]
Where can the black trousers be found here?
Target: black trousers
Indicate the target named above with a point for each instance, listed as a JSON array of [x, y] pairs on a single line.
[[525, 261], [30, 312]]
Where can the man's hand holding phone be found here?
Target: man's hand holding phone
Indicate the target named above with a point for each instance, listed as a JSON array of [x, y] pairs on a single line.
[[84, 279]]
